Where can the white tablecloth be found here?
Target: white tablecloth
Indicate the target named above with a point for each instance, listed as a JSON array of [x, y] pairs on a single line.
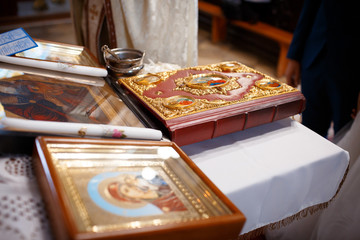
[[269, 172], [272, 171]]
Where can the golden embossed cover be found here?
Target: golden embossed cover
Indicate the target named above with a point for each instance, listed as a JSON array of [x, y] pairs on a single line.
[[212, 92]]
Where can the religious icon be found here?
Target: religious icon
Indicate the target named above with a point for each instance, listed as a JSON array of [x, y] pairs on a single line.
[[118, 187], [38, 100], [267, 84], [35, 97], [179, 102], [138, 193], [207, 80]]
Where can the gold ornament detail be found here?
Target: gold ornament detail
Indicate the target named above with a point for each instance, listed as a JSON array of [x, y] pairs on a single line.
[[148, 79], [268, 84], [230, 66], [82, 132], [179, 102], [205, 84], [132, 82]]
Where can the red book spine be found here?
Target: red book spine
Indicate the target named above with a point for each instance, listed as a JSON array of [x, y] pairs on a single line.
[[188, 130]]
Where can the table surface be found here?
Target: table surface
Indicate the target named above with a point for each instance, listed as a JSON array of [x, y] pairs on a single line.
[[272, 171], [269, 172]]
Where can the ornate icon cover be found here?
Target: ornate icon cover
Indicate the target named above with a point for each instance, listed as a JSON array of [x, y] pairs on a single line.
[[102, 189], [203, 102]]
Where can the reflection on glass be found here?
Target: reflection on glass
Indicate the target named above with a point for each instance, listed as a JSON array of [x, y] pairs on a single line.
[[6, 73], [127, 186]]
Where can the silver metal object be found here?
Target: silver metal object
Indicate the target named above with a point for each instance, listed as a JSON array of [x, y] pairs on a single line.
[[123, 61]]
